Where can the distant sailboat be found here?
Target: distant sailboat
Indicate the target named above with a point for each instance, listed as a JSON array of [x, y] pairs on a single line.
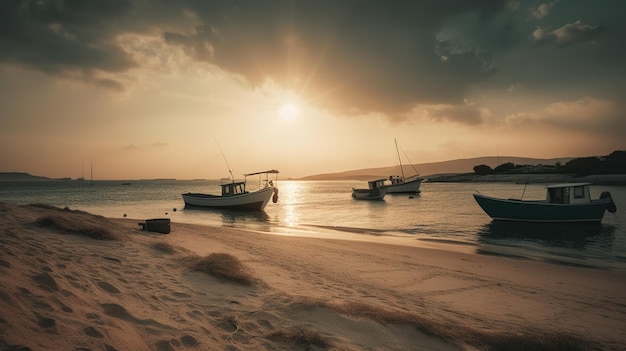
[[401, 184], [82, 172]]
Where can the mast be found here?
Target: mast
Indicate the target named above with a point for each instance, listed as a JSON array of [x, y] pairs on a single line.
[[399, 159]]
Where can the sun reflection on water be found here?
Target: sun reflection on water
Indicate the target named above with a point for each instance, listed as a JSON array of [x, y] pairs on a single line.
[[290, 195]]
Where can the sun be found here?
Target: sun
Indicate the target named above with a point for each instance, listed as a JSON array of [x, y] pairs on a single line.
[[289, 111]]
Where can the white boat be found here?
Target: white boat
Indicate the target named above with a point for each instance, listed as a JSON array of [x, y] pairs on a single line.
[[400, 184], [235, 196], [376, 191]]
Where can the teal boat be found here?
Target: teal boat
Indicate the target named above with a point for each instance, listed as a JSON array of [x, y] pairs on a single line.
[[564, 203]]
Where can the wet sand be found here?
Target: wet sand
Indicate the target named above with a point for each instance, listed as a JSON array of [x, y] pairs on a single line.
[[64, 287]]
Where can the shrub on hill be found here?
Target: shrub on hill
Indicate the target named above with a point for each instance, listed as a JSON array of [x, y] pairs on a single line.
[[614, 163], [483, 170]]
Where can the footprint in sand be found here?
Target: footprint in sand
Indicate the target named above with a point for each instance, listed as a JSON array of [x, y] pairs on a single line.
[[93, 332], [108, 287], [45, 281]]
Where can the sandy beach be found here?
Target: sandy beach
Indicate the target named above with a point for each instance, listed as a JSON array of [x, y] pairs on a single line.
[[70, 280]]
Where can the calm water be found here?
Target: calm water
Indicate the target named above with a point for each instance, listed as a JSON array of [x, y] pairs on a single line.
[[443, 214]]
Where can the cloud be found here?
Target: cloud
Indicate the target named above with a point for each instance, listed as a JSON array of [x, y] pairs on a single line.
[[351, 56], [130, 147], [346, 57], [542, 10], [70, 38], [572, 33], [135, 147], [587, 115], [466, 113], [111, 84]]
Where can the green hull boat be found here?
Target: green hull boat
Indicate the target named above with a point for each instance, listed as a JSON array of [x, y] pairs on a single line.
[[564, 203]]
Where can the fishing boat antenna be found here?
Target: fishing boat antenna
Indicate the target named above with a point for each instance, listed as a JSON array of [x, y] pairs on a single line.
[[225, 160]]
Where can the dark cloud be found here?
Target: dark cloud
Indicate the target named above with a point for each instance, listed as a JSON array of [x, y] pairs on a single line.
[[65, 38], [54, 36], [110, 84], [351, 56]]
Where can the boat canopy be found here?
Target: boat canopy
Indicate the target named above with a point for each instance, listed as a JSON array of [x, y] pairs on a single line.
[[272, 171], [566, 185]]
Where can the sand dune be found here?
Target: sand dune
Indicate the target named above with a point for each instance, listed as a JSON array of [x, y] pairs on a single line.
[[73, 281]]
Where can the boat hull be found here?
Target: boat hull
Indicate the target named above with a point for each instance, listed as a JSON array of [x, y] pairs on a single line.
[[368, 194], [252, 201], [541, 211], [406, 187]]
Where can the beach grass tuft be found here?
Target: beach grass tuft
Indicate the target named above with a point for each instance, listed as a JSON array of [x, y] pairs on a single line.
[[221, 265], [300, 336], [69, 225], [541, 341], [164, 247], [64, 209]]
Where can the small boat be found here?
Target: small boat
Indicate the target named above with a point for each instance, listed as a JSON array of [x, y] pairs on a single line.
[[235, 196], [376, 191], [564, 203], [401, 184]]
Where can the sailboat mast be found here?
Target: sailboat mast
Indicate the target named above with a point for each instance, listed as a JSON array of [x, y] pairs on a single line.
[[399, 159]]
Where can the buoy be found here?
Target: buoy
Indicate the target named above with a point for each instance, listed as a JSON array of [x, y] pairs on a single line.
[[275, 197], [124, 214], [174, 209], [611, 207]]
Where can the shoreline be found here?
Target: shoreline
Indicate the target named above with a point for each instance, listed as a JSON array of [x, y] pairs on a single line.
[[63, 291], [597, 179]]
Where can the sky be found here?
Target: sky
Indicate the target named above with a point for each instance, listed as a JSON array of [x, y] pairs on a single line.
[[192, 88]]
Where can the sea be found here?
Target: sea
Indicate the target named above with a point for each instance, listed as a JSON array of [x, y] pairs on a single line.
[[442, 215]]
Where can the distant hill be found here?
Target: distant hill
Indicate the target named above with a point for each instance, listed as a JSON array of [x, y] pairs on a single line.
[[435, 168], [19, 176]]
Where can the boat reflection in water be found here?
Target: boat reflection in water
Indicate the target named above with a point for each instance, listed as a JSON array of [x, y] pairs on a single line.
[[230, 218], [562, 243]]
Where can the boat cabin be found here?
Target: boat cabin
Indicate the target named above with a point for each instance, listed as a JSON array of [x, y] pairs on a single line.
[[376, 184], [396, 180], [234, 188], [573, 193]]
